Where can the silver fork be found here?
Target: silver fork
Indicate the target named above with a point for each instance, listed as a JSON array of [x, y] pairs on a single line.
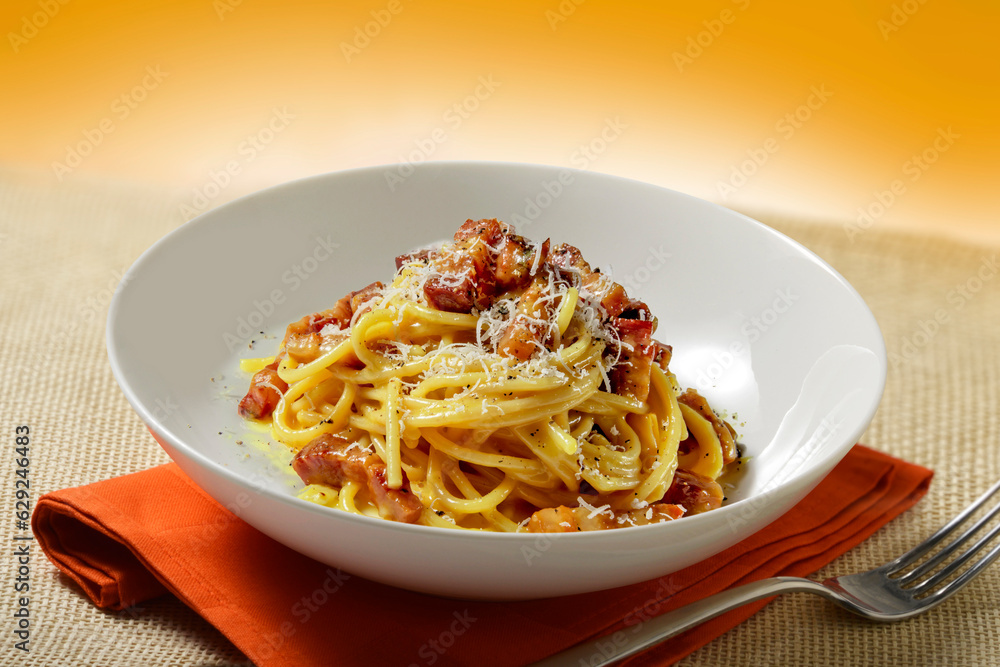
[[892, 592]]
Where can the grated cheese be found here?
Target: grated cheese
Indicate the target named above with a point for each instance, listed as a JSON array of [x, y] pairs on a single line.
[[594, 511], [549, 332], [536, 260]]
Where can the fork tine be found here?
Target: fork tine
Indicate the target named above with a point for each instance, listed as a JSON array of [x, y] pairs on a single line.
[[916, 552], [950, 569], [969, 574], [932, 562]]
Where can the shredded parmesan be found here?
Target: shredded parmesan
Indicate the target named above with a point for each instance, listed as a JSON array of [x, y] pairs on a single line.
[[594, 511], [536, 260]]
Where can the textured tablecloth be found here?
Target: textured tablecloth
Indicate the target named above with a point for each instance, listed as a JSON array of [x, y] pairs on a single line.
[[64, 248]]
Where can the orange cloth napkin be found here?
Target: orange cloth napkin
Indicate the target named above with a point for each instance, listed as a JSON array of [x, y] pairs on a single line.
[[131, 538]]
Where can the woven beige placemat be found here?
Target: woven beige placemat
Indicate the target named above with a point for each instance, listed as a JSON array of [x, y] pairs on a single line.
[[64, 247]]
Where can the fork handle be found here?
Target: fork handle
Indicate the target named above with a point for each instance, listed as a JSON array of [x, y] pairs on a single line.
[[638, 637]]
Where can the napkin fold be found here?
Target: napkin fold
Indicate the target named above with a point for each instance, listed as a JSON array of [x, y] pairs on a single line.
[[132, 538]]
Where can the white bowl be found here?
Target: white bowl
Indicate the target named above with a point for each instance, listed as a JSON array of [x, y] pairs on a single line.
[[770, 334]]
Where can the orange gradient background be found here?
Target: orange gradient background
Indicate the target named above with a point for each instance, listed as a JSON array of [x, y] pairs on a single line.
[[685, 95]]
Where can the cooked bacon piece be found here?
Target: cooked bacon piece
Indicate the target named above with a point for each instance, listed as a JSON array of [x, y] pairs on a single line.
[[266, 389], [452, 294], [421, 255], [467, 280], [486, 259], [303, 348], [567, 256], [630, 376], [662, 354], [528, 326], [489, 230], [725, 432], [661, 512], [612, 296], [560, 519], [332, 460], [637, 310], [694, 492], [393, 504], [340, 315], [365, 294], [564, 519], [514, 262]]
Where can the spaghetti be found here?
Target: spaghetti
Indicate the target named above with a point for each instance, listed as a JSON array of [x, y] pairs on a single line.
[[494, 384]]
